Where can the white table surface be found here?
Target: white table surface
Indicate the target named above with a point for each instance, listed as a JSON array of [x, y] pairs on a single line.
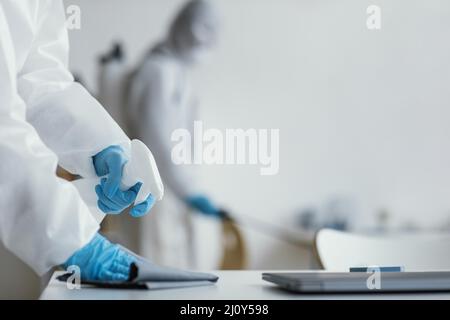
[[232, 285]]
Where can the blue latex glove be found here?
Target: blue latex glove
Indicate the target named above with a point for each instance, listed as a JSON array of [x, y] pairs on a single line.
[[123, 199], [101, 260], [111, 199], [141, 209], [110, 162], [119, 201], [203, 204]]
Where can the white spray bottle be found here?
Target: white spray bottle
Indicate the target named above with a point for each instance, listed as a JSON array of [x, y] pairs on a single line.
[[140, 168]]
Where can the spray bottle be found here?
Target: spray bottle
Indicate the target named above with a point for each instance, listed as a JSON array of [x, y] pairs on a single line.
[[140, 168]]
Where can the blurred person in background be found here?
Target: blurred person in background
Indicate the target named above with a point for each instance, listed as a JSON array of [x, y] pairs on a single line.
[[159, 101]]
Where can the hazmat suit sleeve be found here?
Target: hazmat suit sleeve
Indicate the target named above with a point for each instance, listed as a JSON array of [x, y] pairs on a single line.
[[67, 118], [42, 218], [154, 90]]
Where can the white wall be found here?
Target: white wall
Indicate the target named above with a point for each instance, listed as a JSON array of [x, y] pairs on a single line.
[[363, 114]]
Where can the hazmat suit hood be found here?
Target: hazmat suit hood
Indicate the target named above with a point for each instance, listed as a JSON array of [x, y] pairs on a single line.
[[192, 33]]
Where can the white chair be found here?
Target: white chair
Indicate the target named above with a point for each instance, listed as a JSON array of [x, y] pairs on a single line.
[[338, 251]]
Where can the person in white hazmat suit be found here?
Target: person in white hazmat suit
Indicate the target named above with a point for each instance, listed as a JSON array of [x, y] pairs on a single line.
[[159, 101], [46, 118]]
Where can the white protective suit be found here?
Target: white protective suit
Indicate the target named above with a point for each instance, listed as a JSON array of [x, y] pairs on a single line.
[[160, 100], [45, 117]]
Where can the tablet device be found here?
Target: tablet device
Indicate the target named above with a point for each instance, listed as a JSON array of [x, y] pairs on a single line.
[[352, 282]]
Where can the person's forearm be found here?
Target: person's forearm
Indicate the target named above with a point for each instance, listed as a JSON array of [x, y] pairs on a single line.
[[77, 129], [67, 118]]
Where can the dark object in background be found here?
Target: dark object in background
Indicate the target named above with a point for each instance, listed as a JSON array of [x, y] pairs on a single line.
[[307, 219], [116, 53], [234, 249]]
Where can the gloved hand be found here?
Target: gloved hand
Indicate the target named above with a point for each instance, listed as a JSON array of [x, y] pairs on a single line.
[[123, 199], [141, 209], [203, 204], [101, 260], [111, 199]]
